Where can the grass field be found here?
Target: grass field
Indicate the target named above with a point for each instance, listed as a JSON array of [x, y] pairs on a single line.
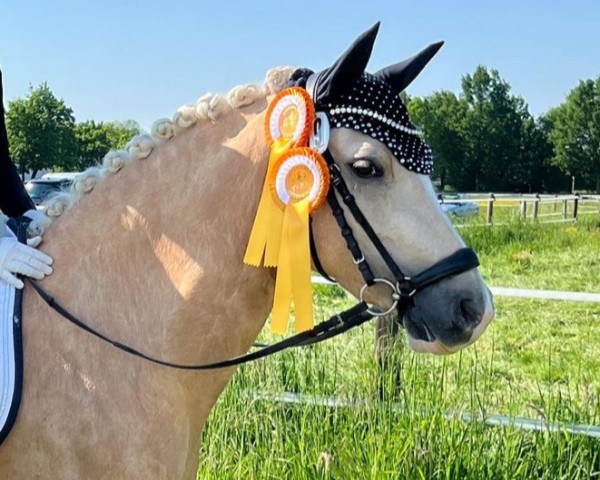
[[539, 359]]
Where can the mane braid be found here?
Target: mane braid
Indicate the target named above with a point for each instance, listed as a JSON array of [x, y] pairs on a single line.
[[208, 107]]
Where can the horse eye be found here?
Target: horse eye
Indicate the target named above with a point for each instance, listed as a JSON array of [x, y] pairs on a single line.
[[366, 169]]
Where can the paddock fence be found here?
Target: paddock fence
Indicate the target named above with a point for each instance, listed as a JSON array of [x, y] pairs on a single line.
[[496, 208]]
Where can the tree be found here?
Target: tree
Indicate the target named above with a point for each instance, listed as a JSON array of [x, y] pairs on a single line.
[[575, 134], [495, 129], [94, 140], [442, 119], [536, 158], [484, 139], [40, 131]]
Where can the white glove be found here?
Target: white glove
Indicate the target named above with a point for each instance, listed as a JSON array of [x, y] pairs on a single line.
[[18, 258]]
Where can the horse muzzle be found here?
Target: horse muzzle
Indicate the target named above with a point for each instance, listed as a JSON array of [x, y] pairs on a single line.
[[449, 315]]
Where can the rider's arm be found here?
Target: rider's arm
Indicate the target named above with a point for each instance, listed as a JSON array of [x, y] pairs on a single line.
[[14, 200], [16, 258]]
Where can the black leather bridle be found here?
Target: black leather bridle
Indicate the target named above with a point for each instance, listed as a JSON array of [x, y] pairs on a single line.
[[402, 288]]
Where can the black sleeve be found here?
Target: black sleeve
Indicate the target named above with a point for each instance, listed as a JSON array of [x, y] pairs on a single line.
[[14, 200]]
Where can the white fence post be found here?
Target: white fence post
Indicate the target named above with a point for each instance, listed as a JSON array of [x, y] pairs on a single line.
[[524, 209]]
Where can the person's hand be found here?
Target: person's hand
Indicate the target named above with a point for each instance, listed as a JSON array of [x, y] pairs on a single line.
[[17, 258]]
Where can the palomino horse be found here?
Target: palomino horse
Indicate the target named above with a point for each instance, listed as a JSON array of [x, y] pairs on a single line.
[[153, 258]]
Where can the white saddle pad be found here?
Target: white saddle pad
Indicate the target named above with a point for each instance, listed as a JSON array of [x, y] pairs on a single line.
[[8, 362], [7, 350]]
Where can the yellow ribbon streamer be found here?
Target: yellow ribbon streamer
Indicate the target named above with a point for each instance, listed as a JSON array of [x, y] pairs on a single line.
[[266, 230], [293, 273], [280, 234]]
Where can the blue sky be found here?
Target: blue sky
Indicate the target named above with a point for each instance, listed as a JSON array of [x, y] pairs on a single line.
[[116, 60]]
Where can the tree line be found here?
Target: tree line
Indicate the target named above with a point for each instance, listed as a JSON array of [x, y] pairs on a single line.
[[43, 134], [483, 139]]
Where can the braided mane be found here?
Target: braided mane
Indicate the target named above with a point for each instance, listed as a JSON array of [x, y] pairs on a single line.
[[208, 108]]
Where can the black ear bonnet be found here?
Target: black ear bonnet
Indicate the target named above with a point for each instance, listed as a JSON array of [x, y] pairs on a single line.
[[370, 103]]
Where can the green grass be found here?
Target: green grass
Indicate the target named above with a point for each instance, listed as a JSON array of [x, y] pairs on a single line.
[[539, 359]]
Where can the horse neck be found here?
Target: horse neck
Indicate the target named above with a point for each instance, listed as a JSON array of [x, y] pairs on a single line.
[[153, 256]]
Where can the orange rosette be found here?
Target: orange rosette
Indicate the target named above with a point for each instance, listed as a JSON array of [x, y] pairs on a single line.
[[298, 174], [290, 117], [296, 184], [299, 182]]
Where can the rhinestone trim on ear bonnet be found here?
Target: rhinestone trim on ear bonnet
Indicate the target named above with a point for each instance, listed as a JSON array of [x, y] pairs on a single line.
[[370, 103], [371, 108]]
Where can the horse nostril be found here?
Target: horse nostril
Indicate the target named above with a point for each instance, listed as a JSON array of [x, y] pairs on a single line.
[[469, 314]]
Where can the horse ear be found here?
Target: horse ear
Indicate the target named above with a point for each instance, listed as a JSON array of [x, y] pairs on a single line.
[[400, 75], [348, 68]]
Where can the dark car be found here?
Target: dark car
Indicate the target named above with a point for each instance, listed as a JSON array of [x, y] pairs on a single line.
[[42, 189]]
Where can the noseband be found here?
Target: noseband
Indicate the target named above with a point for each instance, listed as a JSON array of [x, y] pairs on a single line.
[[404, 286]]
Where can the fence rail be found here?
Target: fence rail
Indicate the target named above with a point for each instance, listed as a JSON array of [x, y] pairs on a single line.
[[569, 296], [496, 420], [534, 207]]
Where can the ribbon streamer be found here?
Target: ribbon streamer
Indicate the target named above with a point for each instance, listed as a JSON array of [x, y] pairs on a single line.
[[293, 273], [266, 230], [295, 185]]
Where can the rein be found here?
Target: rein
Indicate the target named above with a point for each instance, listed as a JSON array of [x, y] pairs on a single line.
[[460, 261], [336, 325], [402, 290]]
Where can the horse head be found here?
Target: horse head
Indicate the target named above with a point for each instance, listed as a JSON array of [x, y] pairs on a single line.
[[385, 165]]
